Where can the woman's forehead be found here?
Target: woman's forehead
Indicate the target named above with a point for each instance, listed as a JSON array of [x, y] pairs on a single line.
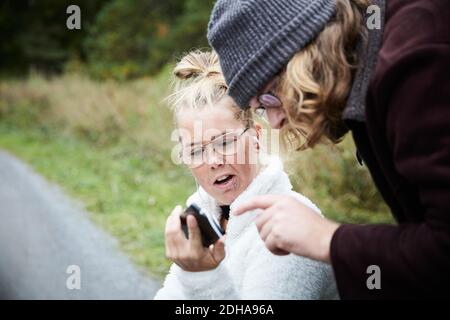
[[205, 133], [214, 117]]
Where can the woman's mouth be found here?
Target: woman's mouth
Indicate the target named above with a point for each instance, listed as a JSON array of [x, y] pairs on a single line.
[[225, 182]]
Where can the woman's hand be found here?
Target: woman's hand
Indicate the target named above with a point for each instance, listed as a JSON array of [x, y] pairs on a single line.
[[190, 254], [288, 226]]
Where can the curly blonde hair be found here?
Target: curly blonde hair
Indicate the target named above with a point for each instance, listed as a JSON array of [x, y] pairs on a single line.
[[199, 83], [317, 80]]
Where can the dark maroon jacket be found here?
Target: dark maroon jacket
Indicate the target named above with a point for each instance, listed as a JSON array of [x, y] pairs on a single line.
[[403, 136]]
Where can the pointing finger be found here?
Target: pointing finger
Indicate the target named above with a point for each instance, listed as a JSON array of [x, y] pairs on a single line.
[[257, 202]]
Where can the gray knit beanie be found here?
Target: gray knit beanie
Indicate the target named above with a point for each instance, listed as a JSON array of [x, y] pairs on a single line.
[[255, 39]]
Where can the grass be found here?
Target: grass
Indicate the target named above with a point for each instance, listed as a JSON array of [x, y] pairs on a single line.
[[129, 195], [108, 145]]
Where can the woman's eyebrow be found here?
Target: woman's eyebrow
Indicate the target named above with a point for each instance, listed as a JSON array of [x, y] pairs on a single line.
[[215, 137], [192, 144]]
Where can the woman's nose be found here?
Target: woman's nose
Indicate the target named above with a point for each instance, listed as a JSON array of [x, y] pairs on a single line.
[[276, 117], [214, 160]]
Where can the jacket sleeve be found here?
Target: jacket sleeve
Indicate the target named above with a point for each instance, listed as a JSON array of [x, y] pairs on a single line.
[[214, 284], [205, 285], [414, 258], [171, 289]]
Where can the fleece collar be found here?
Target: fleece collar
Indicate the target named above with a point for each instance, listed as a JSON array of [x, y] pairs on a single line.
[[271, 180]]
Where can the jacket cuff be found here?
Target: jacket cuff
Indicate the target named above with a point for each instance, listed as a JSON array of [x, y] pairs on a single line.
[[200, 279]]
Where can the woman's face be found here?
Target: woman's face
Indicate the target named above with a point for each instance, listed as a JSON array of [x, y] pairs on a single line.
[[223, 176], [276, 116]]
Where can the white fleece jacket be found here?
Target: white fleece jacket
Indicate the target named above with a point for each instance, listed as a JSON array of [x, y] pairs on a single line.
[[250, 270]]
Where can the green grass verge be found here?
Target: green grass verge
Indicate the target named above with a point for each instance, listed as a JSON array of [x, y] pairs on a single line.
[[128, 193]]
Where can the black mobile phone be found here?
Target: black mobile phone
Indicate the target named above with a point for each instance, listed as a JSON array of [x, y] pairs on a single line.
[[209, 226]]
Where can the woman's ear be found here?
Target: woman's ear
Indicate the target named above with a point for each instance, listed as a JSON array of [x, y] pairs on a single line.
[[258, 134], [258, 130], [257, 143]]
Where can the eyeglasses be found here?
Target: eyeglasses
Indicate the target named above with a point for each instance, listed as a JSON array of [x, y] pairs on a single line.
[[267, 101], [225, 145]]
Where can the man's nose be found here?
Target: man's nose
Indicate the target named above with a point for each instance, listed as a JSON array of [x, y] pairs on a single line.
[[254, 103], [276, 117]]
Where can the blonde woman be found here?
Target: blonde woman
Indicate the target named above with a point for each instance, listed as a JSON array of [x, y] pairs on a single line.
[[380, 69], [222, 158]]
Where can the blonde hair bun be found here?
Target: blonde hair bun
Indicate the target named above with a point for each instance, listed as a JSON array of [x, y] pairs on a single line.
[[198, 64], [199, 83]]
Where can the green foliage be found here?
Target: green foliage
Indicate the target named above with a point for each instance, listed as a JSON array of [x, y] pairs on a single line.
[[135, 38], [34, 34], [119, 39], [332, 177]]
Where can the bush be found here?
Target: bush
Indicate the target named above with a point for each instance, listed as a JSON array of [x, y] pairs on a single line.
[[333, 178], [102, 113], [135, 38]]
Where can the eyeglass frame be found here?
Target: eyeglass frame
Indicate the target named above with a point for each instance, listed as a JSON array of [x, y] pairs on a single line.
[[264, 106], [205, 146], [271, 95]]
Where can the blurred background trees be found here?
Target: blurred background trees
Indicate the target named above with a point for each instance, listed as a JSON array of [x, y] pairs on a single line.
[[119, 39]]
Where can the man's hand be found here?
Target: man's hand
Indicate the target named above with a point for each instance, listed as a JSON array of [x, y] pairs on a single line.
[[190, 254], [288, 226]]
